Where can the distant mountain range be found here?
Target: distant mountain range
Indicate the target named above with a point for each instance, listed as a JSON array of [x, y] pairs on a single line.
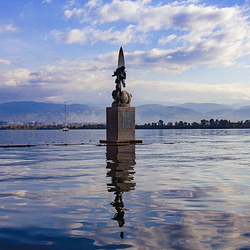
[[49, 112]]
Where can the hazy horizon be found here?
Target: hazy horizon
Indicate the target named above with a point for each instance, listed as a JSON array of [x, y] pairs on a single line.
[[136, 103]]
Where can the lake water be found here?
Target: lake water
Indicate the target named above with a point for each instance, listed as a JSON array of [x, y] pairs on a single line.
[[180, 189]]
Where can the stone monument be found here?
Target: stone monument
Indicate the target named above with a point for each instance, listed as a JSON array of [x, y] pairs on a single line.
[[120, 118]]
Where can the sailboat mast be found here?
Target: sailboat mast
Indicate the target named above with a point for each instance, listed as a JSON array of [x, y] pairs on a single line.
[[65, 114], [65, 128]]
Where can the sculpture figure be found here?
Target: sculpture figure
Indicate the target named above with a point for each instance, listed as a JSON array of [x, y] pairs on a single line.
[[121, 97]]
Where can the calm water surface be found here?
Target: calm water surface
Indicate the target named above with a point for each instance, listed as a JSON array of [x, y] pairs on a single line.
[[180, 189]]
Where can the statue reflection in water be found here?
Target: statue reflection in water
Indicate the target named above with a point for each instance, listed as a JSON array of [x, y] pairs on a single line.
[[120, 167]]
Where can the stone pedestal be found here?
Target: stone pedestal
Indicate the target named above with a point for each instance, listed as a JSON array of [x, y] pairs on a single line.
[[120, 125]]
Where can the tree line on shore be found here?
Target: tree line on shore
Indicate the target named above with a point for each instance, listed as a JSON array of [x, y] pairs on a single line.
[[203, 124], [51, 127]]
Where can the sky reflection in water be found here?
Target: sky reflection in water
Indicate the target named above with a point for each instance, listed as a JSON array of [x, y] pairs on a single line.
[[181, 189]]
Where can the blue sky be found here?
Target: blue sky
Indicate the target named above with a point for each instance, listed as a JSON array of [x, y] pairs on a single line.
[[175, 51]]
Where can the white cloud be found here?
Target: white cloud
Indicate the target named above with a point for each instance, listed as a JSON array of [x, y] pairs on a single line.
[[71, 80], [170, 61], [92, 35], [70, 4], [14, 78], [8, 28], [110, 12], [74, 12], [6, 62], [73, 36], [181, 92], [125, 10], [166, 39], [47, 1], [68, 80], [94, 3], [200, 34]]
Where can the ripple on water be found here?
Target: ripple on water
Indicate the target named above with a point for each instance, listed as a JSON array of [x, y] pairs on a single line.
[[179, 190]]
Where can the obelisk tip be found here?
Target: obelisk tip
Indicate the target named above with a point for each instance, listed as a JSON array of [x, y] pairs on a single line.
[[121, 61]]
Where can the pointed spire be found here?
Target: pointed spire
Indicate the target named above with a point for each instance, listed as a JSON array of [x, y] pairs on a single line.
[[121, 61]]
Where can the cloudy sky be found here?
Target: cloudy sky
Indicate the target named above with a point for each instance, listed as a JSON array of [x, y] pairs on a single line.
[[175, 51]]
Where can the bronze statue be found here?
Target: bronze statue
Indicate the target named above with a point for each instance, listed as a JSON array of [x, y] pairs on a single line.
[[121, 97]]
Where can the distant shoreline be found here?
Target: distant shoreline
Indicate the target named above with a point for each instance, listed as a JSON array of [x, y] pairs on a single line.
[[203, 124]]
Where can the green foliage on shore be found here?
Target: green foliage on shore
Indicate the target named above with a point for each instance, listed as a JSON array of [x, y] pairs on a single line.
[[203, 124]]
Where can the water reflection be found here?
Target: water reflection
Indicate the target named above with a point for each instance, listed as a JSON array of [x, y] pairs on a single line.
[[192, 192], [120, 167]]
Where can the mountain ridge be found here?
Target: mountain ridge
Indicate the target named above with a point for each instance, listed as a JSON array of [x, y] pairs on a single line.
[[27, 111]]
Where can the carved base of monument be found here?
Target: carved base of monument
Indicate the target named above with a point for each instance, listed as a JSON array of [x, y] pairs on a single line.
[[120, 125]]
